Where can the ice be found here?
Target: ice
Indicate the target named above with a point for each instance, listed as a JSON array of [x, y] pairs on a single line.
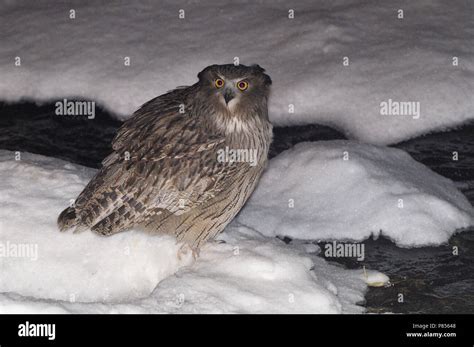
[[134, 272], [403, 60], [310, 192]]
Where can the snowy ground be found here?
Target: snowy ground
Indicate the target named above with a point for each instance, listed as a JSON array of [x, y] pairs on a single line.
[[409, 59], [252, 271], [86, 273]]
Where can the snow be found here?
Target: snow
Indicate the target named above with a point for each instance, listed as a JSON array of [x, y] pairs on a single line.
[[35, 190], [134, 272], [403, 60], [310, 192]]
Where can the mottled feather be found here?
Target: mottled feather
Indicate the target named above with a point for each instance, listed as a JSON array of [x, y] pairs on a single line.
[[163, 174]]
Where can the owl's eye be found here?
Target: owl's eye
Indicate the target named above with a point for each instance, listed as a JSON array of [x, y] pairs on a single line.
[[219, 83], [242, 85]]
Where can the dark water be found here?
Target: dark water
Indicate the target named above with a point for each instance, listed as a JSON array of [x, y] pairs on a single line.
[[431, 279], [36, 129]]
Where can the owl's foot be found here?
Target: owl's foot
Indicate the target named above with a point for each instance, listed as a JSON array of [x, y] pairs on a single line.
[[184, 249]]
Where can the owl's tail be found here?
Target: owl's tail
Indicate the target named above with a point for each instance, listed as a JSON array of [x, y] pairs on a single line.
[[67, 219]]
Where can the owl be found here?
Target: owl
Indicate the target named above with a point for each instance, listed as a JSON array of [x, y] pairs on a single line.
[[185, 163]]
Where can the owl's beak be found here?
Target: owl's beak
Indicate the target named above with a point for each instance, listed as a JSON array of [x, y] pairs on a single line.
[[228, 95]]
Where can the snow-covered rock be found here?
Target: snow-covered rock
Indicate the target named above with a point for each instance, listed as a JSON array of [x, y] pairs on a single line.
[[45, 271], [425, 57], [312, 192], [375, 278]]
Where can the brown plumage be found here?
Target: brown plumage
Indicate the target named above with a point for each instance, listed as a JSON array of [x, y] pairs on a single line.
[[167, 173]]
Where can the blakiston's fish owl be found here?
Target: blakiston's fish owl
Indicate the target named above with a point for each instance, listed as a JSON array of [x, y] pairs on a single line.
[[185, 163]]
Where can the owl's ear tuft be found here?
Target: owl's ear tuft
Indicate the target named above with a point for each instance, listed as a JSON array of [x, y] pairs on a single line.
[[204, 72], [257, 68], [266, 79]]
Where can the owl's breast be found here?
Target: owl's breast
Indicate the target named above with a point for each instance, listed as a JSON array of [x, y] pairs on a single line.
[[250, 145]]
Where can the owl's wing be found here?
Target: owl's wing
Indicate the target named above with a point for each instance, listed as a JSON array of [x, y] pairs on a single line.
[[164, 126], [162, 160]]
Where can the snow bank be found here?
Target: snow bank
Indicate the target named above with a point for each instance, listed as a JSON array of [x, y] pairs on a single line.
[[137, 273], [310, 192], [260, 275], [54, 265], [247, 274], [402, 60]]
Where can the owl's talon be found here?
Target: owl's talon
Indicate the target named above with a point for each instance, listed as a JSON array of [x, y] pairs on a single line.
[[183, 251]]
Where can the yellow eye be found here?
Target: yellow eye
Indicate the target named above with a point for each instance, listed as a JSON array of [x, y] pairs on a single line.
[[242, 85], [219, 83]]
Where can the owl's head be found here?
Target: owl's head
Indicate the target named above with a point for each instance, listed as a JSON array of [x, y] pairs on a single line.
[[235, 89]]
